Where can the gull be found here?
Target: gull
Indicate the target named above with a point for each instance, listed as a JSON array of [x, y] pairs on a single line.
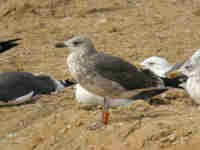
[[108, 76], [21, 87], [192, 71], [160, 66]]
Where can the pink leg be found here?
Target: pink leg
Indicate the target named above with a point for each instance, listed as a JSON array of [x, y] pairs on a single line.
[[105, 116]]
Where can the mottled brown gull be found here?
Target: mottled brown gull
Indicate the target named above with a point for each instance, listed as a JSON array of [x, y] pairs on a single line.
[[156, 64], [105, 75]]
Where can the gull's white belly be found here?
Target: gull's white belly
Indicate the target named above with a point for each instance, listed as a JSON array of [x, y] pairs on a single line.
[[193, 88], [86, 97]]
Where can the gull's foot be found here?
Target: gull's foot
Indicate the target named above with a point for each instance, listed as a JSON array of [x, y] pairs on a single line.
[[97, 125]]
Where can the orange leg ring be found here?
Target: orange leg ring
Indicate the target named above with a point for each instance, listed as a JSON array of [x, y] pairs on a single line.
[[105, 117]]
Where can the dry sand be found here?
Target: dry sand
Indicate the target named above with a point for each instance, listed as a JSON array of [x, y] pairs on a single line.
[[131, 29]]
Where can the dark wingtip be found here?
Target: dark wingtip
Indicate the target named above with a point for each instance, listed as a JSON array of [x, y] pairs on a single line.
[[6, 45], [148, 94], [8, 42], [60, 45], [14, 40], [175, 82]]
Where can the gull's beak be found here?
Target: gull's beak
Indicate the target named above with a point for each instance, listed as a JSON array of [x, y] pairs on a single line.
[[140, 65], [143, 66], [65, 43], [60, 45], [174, 74]]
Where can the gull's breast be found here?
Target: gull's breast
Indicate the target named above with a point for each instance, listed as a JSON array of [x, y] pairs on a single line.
[[193, 88]]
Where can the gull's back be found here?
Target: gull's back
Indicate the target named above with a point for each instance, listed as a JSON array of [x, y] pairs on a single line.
[[17, 84], [112, 74]]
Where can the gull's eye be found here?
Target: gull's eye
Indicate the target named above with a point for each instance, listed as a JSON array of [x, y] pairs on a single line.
[[188, 67], [151, 63], [76, 43]]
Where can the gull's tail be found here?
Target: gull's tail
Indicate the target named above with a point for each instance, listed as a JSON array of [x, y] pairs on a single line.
[[176, 82], [66, 83], [144, 94]]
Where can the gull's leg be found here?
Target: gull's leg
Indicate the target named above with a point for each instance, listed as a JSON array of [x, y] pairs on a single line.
[[105, 113], [104, 119]]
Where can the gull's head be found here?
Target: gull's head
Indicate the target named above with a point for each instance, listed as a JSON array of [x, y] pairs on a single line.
[[156, 64], [195, 58], [77, 43], [188, 69]]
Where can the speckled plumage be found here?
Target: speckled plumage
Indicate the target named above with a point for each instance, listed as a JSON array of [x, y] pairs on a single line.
[[106, 75]]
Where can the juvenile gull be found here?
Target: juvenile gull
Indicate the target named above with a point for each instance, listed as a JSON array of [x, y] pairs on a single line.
[[21, 87], [103, 74], [160, 66]]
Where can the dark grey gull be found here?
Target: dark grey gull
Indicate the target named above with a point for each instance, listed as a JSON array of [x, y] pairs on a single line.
[[105, 75], [21, 87]]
